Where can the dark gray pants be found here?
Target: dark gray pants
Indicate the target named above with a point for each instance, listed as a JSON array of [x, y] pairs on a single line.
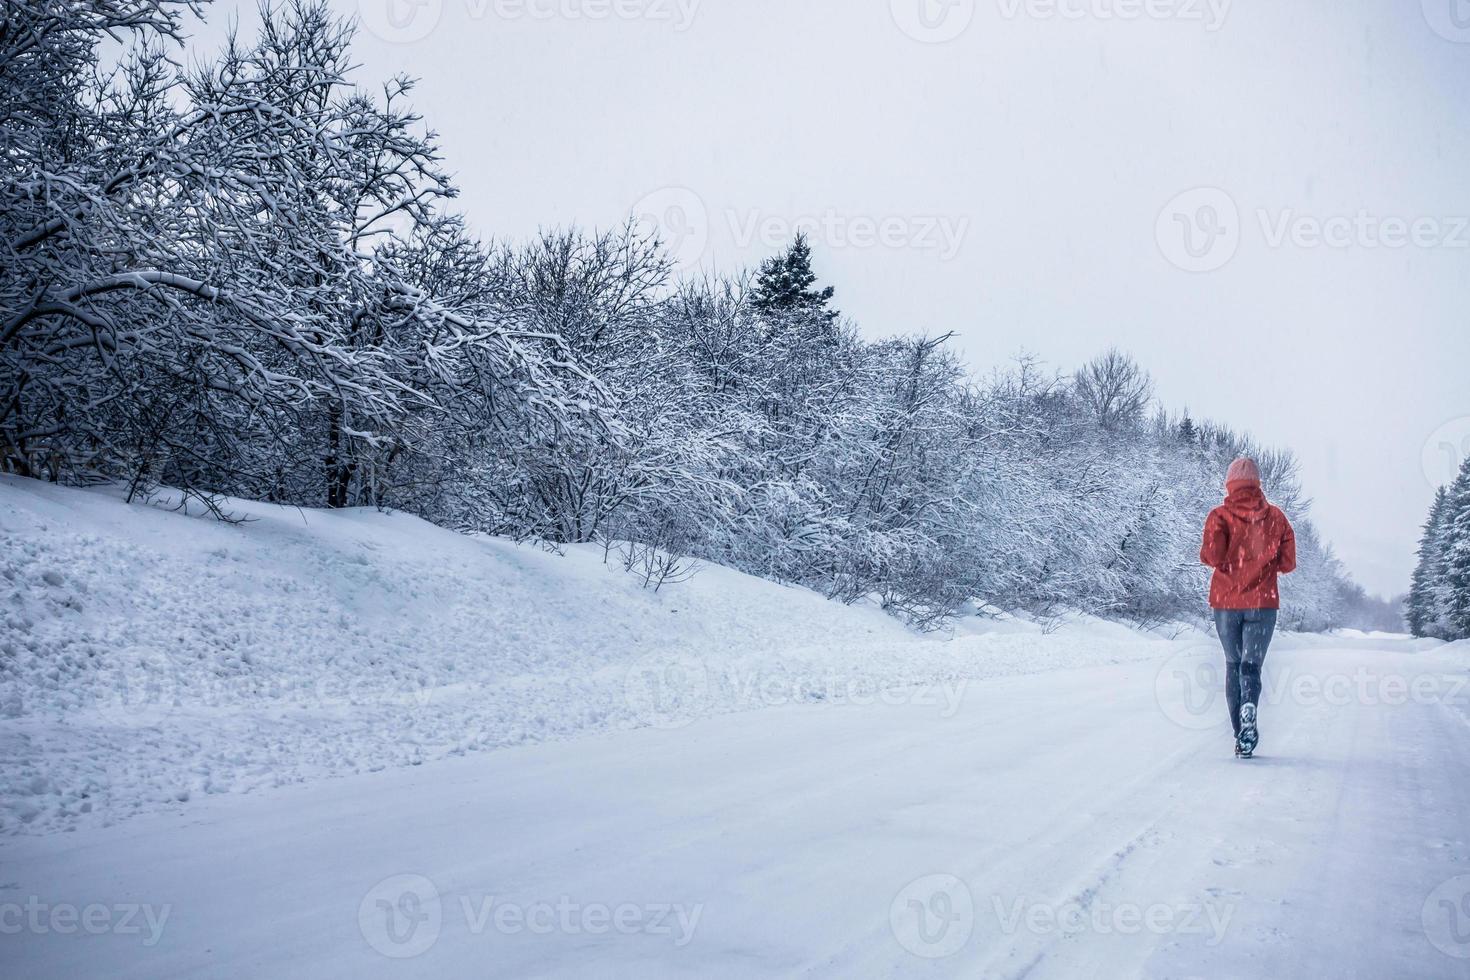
[[1245, 634]]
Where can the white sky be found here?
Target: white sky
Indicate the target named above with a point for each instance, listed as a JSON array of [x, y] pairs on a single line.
[[1046, 139]]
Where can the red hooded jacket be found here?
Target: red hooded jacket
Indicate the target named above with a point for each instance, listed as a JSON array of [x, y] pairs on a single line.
[[1247, 542]]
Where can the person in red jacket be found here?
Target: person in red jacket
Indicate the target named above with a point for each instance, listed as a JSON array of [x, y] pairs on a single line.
[[1248, 542]]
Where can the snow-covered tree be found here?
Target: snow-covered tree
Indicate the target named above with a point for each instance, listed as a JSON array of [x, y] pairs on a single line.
[[1452, 593], [1114, 389], [242, 278], [1424, 611], [1438, 603], [784, 287], [190, 292]]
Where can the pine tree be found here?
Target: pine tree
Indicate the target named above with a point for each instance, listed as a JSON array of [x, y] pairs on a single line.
[[784, 286], [1420, 608], [1187, 432], [1455, 561]]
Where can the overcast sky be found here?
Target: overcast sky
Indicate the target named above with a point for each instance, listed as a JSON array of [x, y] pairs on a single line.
[[1265, 202]]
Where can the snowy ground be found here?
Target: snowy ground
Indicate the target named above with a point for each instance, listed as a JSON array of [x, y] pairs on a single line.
[[761, 783], [1077, 823]]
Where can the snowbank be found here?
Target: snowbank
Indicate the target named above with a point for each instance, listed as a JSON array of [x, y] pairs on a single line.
[[148, 656]]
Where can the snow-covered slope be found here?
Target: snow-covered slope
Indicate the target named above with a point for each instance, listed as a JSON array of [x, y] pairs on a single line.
[[148, 657]]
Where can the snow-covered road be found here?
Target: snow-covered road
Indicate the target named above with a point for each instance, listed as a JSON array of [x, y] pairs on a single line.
[[1076, 823]]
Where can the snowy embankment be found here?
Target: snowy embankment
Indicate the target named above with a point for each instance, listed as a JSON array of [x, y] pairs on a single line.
[[148, 657]]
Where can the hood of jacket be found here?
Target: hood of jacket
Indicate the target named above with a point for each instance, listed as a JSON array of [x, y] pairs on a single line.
[[1246, 501]]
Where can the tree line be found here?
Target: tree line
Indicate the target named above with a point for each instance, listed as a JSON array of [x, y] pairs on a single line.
[[243, 277]]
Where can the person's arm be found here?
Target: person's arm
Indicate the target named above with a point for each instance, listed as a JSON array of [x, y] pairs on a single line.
[[1216, 542], [1286, 557]]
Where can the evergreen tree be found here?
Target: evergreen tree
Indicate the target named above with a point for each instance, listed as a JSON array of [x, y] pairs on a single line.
[[1455, 561], [784, 286], [1420, 611], [1187, 431]]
